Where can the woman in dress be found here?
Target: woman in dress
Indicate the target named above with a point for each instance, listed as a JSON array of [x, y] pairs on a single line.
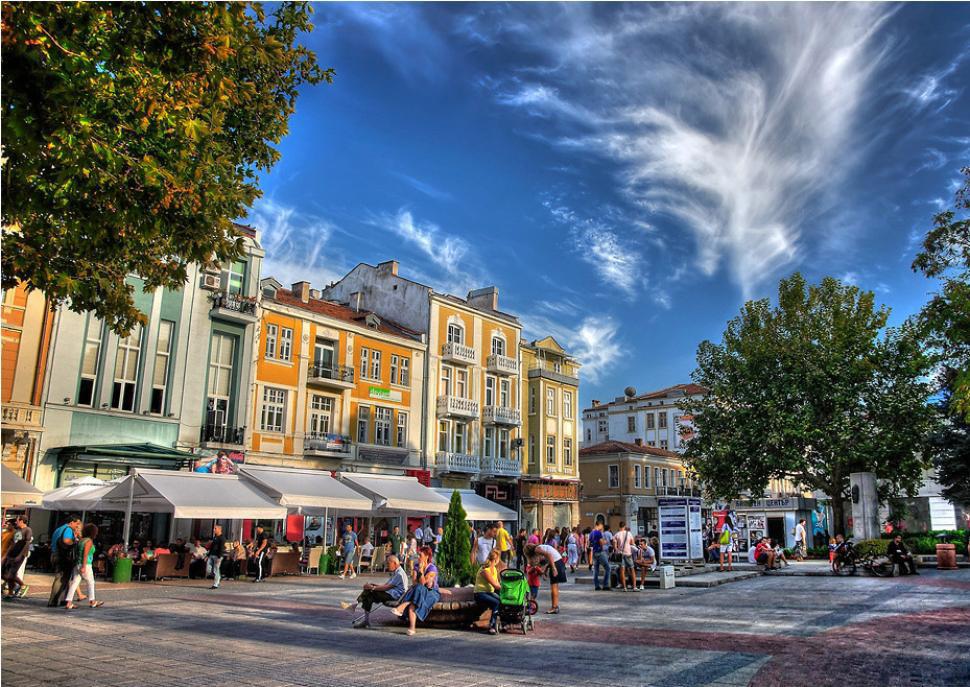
[[572, 549], [423, 594]]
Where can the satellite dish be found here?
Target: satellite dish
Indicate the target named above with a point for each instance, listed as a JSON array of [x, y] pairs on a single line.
[[630, 392]]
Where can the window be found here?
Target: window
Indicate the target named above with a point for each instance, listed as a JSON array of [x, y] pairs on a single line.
[[589, 435], [503, 443], [221, 350], [363, 424], [489, 390], [614, 476], [460, 443], [601, 425], [446, 380], [567, 404], [364, 362], [637, 476], [651, 420], [461, 383], [443, 436], [405, 377], [663, 477], [382, 426], [90, 362], [402, 429], [274, 409], [163, 353], [236, 276], [286, 343], [532, 400], [656, 478], [551, 402], [456, 334], [489, 446], [631, 423], [321, 413], [567, 451], [375, 365], [557, 367], [550, 450], [532, 449], [498, 345], [663, 444], [126, 371], [395, 366], [646, 477], [504, 399], [662, 420], [271, 330]]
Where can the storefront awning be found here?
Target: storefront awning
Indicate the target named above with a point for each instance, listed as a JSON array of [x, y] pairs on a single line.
[[16, 491], [309, 492], [392, 493], [128, 455], [78, 495], [190, 495], [480, 508]]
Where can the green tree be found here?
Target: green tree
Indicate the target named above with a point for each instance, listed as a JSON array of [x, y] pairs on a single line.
[[945, 322], [453, 556], [133, 134], [810, 390]]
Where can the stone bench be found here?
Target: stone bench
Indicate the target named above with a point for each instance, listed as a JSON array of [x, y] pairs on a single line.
[[457, 608]]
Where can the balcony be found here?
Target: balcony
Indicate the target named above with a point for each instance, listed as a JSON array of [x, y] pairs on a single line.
[[502, 364], [456, 462], [317, 444], [547, 370], [501, 467], [500, 415], [453, 352], [21, 416], [334, 376], [455, 406], [222, 436], [234, 308]]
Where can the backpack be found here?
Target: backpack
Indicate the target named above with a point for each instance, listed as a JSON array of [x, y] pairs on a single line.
[[61, 553]]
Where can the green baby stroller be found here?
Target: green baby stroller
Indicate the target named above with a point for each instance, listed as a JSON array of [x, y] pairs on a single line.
[[515, 606]]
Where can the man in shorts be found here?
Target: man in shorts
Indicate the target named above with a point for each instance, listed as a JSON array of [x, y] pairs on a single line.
[[504, 541], [623, 545]]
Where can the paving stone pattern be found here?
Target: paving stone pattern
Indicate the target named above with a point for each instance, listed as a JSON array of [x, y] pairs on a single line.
[[771, 630]]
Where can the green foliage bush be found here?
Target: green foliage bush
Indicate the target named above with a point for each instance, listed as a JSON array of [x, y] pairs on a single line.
[[453, 557], [872, 547], [818, 552]]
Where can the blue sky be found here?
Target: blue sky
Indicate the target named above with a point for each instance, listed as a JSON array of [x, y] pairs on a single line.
[[627, 175]]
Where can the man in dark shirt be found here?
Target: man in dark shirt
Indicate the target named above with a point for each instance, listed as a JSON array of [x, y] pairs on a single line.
[[16, 559], [216, 550], [900, 555], [601, 557], [260, 549], [64, 555], [397, 542]]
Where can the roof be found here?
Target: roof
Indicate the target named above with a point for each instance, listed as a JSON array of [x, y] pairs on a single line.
[[488, 311], [676, 389], [142, 451], [16, 490], [611, 447], [339, 311], [393, 493], [310, 492], [478, 507]]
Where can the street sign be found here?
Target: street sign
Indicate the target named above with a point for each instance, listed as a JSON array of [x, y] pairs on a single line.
[[680, 529]]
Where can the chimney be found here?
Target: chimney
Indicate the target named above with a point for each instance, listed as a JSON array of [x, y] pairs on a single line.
[[638, 441], [595, 403], [302, 289], [486, 298], [355, 301], [387, 267], [315, 294]]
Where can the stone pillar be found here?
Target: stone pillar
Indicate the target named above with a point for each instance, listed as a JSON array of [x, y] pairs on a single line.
[[865, 505]]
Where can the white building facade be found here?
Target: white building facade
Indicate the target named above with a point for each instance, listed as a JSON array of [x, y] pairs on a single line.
[[654, 418]]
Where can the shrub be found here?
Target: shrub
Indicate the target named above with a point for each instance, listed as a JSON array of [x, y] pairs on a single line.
[[818, 552], [872, 547], [454, 554]]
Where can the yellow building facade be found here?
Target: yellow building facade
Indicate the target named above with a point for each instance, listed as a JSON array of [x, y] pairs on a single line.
[[336, 388], [549, 489]]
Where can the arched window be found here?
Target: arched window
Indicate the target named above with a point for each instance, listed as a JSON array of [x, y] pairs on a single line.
[[456, 333]]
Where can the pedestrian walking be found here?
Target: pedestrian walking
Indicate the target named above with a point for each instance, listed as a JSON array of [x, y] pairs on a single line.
[[63, 558], [84, 570], [261, 553], [15, 558], [801, 539], [349, 548], [214, 561], [504, 541], [623, 543], [484, 545], [572, 549], [396, 542], [726, 542], [601, 558], [520, 540]]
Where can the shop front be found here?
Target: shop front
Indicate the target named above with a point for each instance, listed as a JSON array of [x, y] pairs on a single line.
[[549, 503], [774, 518]]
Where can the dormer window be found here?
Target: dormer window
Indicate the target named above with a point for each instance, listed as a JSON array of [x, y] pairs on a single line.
[[269, 292]]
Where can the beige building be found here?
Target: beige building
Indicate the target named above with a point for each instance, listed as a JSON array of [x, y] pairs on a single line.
[[622, 482], [549, 488]]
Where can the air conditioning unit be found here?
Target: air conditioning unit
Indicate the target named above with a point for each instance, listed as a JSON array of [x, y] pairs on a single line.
[[212, 282]]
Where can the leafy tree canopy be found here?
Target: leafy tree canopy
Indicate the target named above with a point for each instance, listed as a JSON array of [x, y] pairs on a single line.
[[810, 390], [133, 134], [453, 556]]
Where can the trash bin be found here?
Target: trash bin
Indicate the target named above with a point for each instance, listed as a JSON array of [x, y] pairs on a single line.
[[122, 571], [946, 557], [667, 577], [324, 567]]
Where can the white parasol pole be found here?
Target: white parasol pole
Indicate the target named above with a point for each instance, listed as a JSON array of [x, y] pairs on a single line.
[[131, 497]]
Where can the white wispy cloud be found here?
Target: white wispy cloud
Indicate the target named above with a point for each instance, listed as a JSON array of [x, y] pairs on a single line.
[[423, 187], [594, 340], [931, 90], [735, 120], [296, 243]]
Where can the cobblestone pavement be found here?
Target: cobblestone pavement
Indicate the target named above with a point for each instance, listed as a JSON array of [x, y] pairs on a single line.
[[771, 630]]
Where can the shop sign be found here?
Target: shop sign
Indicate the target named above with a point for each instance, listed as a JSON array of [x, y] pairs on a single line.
[[542, 491], [382, 394]]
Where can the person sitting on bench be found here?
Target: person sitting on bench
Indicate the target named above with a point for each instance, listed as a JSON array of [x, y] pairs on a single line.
[[391, 590], [764, 554], [900, 555]]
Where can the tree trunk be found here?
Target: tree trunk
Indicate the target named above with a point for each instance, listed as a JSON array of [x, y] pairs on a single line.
[[838, 515]]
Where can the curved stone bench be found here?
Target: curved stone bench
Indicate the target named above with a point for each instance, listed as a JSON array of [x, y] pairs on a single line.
[[456, 608]]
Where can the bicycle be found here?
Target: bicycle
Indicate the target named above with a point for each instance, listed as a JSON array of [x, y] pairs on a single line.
[[848, 560]]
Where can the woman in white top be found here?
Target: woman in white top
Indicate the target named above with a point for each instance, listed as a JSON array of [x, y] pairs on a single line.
[[547, 556], [727, 543], [572, 549]]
